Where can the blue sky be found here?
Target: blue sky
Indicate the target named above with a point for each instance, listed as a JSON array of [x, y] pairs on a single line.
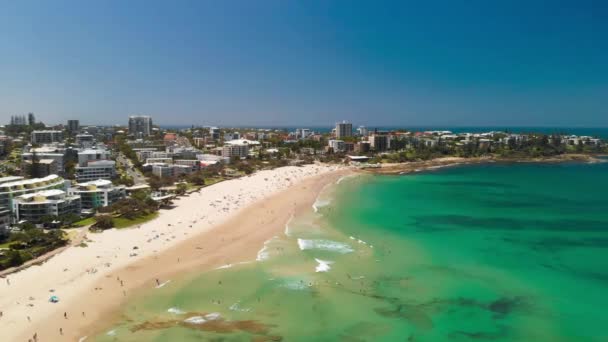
[[530, 63]]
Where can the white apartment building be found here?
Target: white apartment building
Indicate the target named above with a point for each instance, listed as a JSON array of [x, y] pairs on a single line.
[[98, 169], [235, 150], [336, 145], [46, 137], [97, 193], [33, 207], [12, 187]]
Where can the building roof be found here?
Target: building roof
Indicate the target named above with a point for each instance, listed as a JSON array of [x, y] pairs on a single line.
[[98, 182], [10, 179], [242, 142], [43, 193], [31, 181]]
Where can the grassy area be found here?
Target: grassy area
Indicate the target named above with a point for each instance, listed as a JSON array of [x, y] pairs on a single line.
[[85, 222], [211, 181], [5, 245], [120, 222]]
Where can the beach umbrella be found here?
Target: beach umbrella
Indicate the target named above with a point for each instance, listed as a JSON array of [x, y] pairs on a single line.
[[54, 299]]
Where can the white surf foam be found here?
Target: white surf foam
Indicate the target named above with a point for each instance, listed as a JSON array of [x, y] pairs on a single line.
[[195, 320], [264, 253], [212, 316], [323, 265], [175, 311], [325, 245], [236, 307], [111, 333], [319, 203], [82, 339]]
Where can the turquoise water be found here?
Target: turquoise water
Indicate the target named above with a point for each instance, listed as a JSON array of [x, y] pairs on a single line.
[[472, 253]]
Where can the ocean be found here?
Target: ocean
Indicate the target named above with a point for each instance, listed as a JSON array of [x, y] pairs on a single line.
[[502, 252]]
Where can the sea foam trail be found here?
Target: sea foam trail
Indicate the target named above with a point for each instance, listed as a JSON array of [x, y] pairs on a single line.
[[175, 311], [324, 245], [323, 266], [264, 253], [163, 284], [287, 233]]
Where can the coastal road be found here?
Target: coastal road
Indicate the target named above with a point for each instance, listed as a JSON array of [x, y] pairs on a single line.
[[134, 173]]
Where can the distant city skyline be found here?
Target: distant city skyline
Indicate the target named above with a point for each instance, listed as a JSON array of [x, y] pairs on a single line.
[[309, 64]]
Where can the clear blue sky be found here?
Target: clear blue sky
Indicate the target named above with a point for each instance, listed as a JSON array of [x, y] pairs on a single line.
[[307, 62]]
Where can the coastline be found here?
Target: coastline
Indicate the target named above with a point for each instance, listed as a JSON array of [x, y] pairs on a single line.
[[222, 224], [417, 166]]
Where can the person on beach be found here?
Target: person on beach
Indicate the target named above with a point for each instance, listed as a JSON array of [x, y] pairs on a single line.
[[65, 315], [60, 331], [157, 282]]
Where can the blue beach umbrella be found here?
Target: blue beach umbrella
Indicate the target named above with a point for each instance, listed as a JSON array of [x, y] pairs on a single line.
[[54, 299]]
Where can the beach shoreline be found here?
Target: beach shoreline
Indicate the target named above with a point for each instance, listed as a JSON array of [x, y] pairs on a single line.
[[223, 224], [418, 166]]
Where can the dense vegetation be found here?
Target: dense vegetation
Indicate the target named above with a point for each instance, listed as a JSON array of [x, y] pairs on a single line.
[[29, 243]]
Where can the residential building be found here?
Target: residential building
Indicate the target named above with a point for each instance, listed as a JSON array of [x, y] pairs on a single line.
[[302, 133], [232, 136], [235, 150], [46, 167], [194, 165], [336, 145], [98, 169], [344, 129], [97, 193], [31, 119], [34, 206], [215, 133], [46, 137], [92, 154], [378, 142], [162, 170], [5, 220], [140, 125], [18, 120], [363, 131], [362, 147], [73, 126], [85, 140], [12, 187]]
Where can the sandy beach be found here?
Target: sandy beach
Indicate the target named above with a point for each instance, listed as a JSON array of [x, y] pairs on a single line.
[[220, 225]]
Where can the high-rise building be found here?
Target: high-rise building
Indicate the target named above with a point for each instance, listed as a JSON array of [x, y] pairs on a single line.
[[344, 129], [31, 119], [73, 126], [18, 120], [363, 131], [140, 125]]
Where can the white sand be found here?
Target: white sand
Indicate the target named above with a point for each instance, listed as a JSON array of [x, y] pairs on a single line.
[[76, 269]]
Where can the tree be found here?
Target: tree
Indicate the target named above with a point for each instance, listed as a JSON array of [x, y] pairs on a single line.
[[103, 222], [181, 188], [196, 178]]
